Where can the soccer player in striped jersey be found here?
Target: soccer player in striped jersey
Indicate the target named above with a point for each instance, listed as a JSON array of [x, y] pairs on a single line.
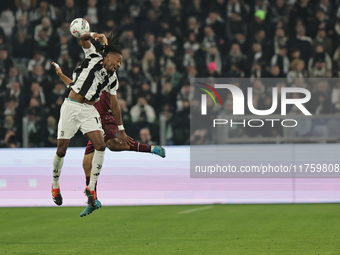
[[110, 128], [95, 75]]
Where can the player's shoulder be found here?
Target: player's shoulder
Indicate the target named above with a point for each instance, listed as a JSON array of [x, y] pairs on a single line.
[[91, 52]]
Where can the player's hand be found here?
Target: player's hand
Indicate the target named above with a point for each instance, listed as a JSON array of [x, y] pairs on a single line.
[[129, 140], [123, 137], [57, 69], [100, 38]]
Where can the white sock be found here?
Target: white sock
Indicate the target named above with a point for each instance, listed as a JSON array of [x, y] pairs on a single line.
[[97, 163], [152, 147], [57, 165]]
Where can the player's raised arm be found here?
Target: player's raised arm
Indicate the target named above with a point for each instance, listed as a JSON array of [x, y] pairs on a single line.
[[85, 39], [62, 76]]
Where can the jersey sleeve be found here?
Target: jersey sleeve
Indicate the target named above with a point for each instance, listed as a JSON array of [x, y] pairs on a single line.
[[89, 51], [112, 88]]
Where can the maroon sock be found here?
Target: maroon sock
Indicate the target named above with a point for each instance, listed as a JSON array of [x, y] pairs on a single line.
[[141, 147]]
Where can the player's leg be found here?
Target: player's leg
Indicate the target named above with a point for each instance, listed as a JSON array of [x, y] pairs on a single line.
[[67, 127], [154, 149], [57, 166], [87, 162], [91, 127], [113, 143], [87, 165], [97, 139]]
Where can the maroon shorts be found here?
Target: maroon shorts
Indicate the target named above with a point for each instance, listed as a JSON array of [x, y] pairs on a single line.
[[110, 129]]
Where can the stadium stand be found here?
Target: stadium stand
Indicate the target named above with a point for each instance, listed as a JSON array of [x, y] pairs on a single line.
[[164, 44]]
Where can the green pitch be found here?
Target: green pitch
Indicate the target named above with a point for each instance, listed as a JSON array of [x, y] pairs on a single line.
[[199, 229]]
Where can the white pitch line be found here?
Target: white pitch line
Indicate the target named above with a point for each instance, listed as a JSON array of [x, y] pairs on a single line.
[[197, 209]]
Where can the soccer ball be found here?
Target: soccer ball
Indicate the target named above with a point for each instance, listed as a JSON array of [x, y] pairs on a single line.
[[79, 26]]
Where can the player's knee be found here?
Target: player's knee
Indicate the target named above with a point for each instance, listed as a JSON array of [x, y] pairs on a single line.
[[61, 152], [100, 147], [62, 147]]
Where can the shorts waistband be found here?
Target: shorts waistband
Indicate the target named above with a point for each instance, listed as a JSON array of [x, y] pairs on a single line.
[[70, 99]]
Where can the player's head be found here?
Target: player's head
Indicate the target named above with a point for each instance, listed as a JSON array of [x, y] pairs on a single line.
[[111, 53]]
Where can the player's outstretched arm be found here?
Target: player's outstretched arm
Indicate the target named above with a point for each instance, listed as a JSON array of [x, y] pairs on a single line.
[[115, 108], [85, 39], [62, 76]]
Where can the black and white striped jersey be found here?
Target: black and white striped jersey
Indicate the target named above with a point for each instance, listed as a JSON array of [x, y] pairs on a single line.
[[90, 79]]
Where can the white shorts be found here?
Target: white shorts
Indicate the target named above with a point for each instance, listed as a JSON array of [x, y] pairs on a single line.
[[75, 116]]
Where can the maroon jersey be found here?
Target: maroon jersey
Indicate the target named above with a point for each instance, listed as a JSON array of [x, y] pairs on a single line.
[[103, 106], [109, 125]]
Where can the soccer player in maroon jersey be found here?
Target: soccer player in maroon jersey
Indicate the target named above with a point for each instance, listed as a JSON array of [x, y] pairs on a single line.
[[110, 128]]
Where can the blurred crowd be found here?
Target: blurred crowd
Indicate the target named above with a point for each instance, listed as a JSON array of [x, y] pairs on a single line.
[[164, 43]]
